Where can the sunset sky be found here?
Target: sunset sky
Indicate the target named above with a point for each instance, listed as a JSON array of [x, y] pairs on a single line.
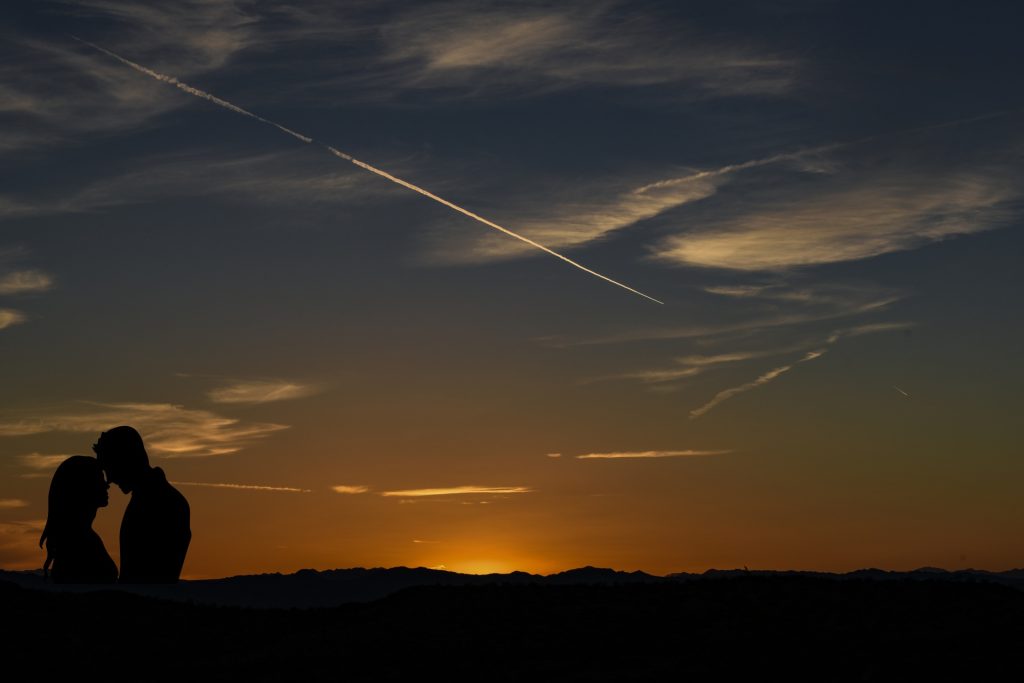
[[338, 371]]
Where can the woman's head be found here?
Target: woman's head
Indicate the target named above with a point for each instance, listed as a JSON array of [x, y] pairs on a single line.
[[77, 490], [77, 486]]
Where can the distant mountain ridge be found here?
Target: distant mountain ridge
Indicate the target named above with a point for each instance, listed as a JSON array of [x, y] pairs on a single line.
[[308, 588]]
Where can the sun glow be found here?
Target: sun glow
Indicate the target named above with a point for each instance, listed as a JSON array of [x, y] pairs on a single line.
[[480, 566]]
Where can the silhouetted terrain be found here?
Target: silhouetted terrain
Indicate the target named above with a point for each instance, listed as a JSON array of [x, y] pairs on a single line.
[[755, 627], [310, 588]]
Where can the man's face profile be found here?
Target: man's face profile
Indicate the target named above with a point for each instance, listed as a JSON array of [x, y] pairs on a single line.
[[114, 473]]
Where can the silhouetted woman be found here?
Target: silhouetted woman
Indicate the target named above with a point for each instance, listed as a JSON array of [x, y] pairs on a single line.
[[77, 490]]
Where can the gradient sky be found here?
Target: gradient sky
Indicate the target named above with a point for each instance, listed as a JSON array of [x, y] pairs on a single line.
[[340, 372]]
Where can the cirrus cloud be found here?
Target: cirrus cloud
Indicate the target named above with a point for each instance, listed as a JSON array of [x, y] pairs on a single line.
[[477, 47], [260, 391], [243, 487], [19, 544], [457, 491], [21, 281], [870, 216], [39, 461], [10, 317], [644, 455], [350, 489], [169, 430]]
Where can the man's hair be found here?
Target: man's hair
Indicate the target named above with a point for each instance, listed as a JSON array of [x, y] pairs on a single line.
[[123, 444]]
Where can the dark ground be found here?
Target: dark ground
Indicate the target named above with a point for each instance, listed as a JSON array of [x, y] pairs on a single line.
[[730, 628]]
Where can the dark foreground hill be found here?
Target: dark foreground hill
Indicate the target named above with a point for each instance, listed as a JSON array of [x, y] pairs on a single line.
[[746, 627], [333, 587]]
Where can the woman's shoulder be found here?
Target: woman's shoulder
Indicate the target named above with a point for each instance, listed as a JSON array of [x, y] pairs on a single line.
[[84, 559]]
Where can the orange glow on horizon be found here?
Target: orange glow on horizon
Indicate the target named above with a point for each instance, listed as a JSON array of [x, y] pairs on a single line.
[[481, 567]]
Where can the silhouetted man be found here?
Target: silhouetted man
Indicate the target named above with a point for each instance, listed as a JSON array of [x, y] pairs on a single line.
[[155, 530]]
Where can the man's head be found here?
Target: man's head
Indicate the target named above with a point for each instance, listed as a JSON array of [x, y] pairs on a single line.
[[122, 456]]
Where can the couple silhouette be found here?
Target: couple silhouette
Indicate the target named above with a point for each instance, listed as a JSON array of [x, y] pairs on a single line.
[[155, 529]]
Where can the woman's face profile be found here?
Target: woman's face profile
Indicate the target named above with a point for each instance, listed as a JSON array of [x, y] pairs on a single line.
[[100, 488]]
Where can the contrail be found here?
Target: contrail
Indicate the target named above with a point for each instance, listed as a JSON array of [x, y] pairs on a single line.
[[163, 78], [361, 164], [733, 168], [799, 153], [810, 355], [763, 379], [425, 193]]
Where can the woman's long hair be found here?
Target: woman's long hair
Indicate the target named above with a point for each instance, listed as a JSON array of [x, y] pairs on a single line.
[[71, 505]]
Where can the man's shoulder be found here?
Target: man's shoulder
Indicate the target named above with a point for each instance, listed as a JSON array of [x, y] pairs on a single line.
[[167, 489], [160, 493]]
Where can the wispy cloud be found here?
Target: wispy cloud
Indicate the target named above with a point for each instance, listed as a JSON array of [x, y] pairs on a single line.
[[488, 48], [261, 391], [725, 395], [169, 430], [554, 455], [602, 208], [729, 169], [847, 220], [817, 293], [19, 544], [171, 80], [206, 34], [82, 96], [10, 317], [196, 92], [774, 373], [570, 218], [685, 366], [868, 303], [466, 49], [462, 49], [11, 503], [642, 455], [560, 221], [243, 487], [350, 489], [23, 527], [274, 178], [38, 461], [16, 282], [740, 291], [457, 491], [21, 281], [870, 328]]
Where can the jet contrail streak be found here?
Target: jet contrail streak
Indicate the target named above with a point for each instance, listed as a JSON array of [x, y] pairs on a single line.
[[193, 91], [733, 168], [361, 164], [450, 205], [797, 154], [763, 379], [810, 355]]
